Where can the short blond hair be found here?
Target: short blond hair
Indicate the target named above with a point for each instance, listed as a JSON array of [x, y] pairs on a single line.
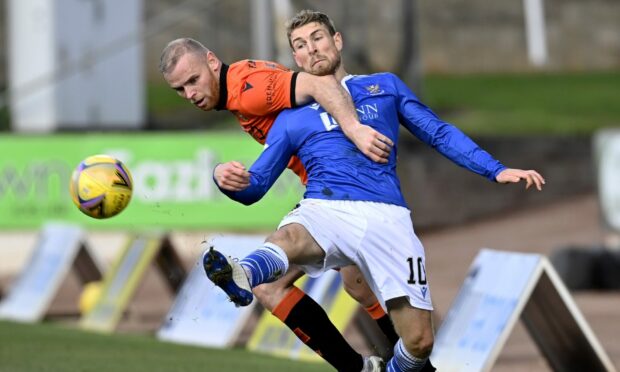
[[176, 49], [308, 16]]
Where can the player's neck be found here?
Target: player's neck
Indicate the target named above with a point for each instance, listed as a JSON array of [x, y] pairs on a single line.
[[340, 73]]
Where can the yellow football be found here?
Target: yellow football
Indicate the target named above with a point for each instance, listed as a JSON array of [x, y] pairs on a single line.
[[101, 186]]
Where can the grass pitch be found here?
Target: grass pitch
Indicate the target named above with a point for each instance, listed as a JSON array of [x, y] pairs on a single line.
[[526, 104], [49, 347]]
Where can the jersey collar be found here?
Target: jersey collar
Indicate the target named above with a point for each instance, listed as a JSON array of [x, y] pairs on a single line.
[[221, 104], [344, 80]]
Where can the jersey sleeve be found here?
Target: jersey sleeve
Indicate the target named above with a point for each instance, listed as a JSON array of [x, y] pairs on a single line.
[[447, 139], [269, 166], [268, 91]]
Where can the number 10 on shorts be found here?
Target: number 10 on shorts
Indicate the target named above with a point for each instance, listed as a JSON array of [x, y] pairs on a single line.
[[416, 266]]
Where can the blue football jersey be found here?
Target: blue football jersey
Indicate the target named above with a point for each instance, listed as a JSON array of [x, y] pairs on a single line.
[[337, 170]]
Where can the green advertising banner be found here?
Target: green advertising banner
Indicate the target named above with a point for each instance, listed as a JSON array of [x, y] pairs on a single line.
[[172, 174]]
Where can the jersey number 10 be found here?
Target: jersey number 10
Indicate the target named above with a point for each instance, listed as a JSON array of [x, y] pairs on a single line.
[[420, 270]]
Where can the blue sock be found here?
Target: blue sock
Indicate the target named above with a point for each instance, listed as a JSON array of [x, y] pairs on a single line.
[[265, 265], [392, 366], [402, 361]]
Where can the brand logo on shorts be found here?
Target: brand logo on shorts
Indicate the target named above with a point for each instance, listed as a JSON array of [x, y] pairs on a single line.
[[424, 290]]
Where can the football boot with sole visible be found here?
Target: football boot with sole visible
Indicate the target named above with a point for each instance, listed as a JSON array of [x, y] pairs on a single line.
[[228, 274]]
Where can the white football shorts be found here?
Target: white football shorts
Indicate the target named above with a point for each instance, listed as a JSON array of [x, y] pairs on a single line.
[[377, 237]]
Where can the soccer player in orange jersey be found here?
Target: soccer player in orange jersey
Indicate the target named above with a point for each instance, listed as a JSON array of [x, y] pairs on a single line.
[[255, 92]]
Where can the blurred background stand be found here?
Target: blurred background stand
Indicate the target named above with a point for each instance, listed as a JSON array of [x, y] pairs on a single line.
[[597, 267], [75, 64]]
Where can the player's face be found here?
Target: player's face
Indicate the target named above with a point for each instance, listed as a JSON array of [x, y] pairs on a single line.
[[195, 79], [315, 50]]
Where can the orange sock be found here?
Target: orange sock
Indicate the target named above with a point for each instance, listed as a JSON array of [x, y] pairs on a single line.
[[310, 323], [284, 307], [383, 321], [375, 311]]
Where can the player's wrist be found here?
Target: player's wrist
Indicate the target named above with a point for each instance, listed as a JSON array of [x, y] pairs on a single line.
[[349, 128], [214, 174]]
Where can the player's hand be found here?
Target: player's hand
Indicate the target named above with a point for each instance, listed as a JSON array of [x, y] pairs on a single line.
[[531, 177], [371, 143], [231, 176]]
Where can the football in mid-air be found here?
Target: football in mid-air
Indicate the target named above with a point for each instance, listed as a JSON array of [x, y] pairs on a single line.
[[101, 186]]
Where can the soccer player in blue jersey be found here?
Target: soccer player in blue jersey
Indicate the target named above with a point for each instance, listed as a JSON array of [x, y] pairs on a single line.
[[353, 211]]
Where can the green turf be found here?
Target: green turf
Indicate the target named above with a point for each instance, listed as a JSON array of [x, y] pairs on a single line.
[[517, 104], [48, 347]]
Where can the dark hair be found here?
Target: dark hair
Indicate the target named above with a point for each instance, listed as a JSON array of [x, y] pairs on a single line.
[[175, 50], [308, 16]]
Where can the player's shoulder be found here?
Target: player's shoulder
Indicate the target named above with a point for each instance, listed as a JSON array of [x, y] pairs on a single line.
[[372, 84], [305, 111], [301, 114], [248, 66], [370, 78]]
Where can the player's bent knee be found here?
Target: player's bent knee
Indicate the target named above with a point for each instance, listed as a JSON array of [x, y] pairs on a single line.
[[297, 243], [419, 342], [287, 234], [414, 325]]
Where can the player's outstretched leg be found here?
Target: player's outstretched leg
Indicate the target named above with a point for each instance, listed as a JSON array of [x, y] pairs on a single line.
[[229, 275]]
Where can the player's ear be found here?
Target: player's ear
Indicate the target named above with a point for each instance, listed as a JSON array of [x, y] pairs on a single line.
[[338, 41], [213, 62]]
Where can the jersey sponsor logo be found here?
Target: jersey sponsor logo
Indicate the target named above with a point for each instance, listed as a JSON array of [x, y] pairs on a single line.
[[368, 111], [328, 121], [364, 112], [247, 86], [270, 90], [374, 89]]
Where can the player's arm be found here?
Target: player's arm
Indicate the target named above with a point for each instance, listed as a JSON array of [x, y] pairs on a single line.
[[252, 185], [453, 143], [328, 92]]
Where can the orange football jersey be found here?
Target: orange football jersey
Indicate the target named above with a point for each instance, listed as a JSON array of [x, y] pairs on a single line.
[[256, 92]]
